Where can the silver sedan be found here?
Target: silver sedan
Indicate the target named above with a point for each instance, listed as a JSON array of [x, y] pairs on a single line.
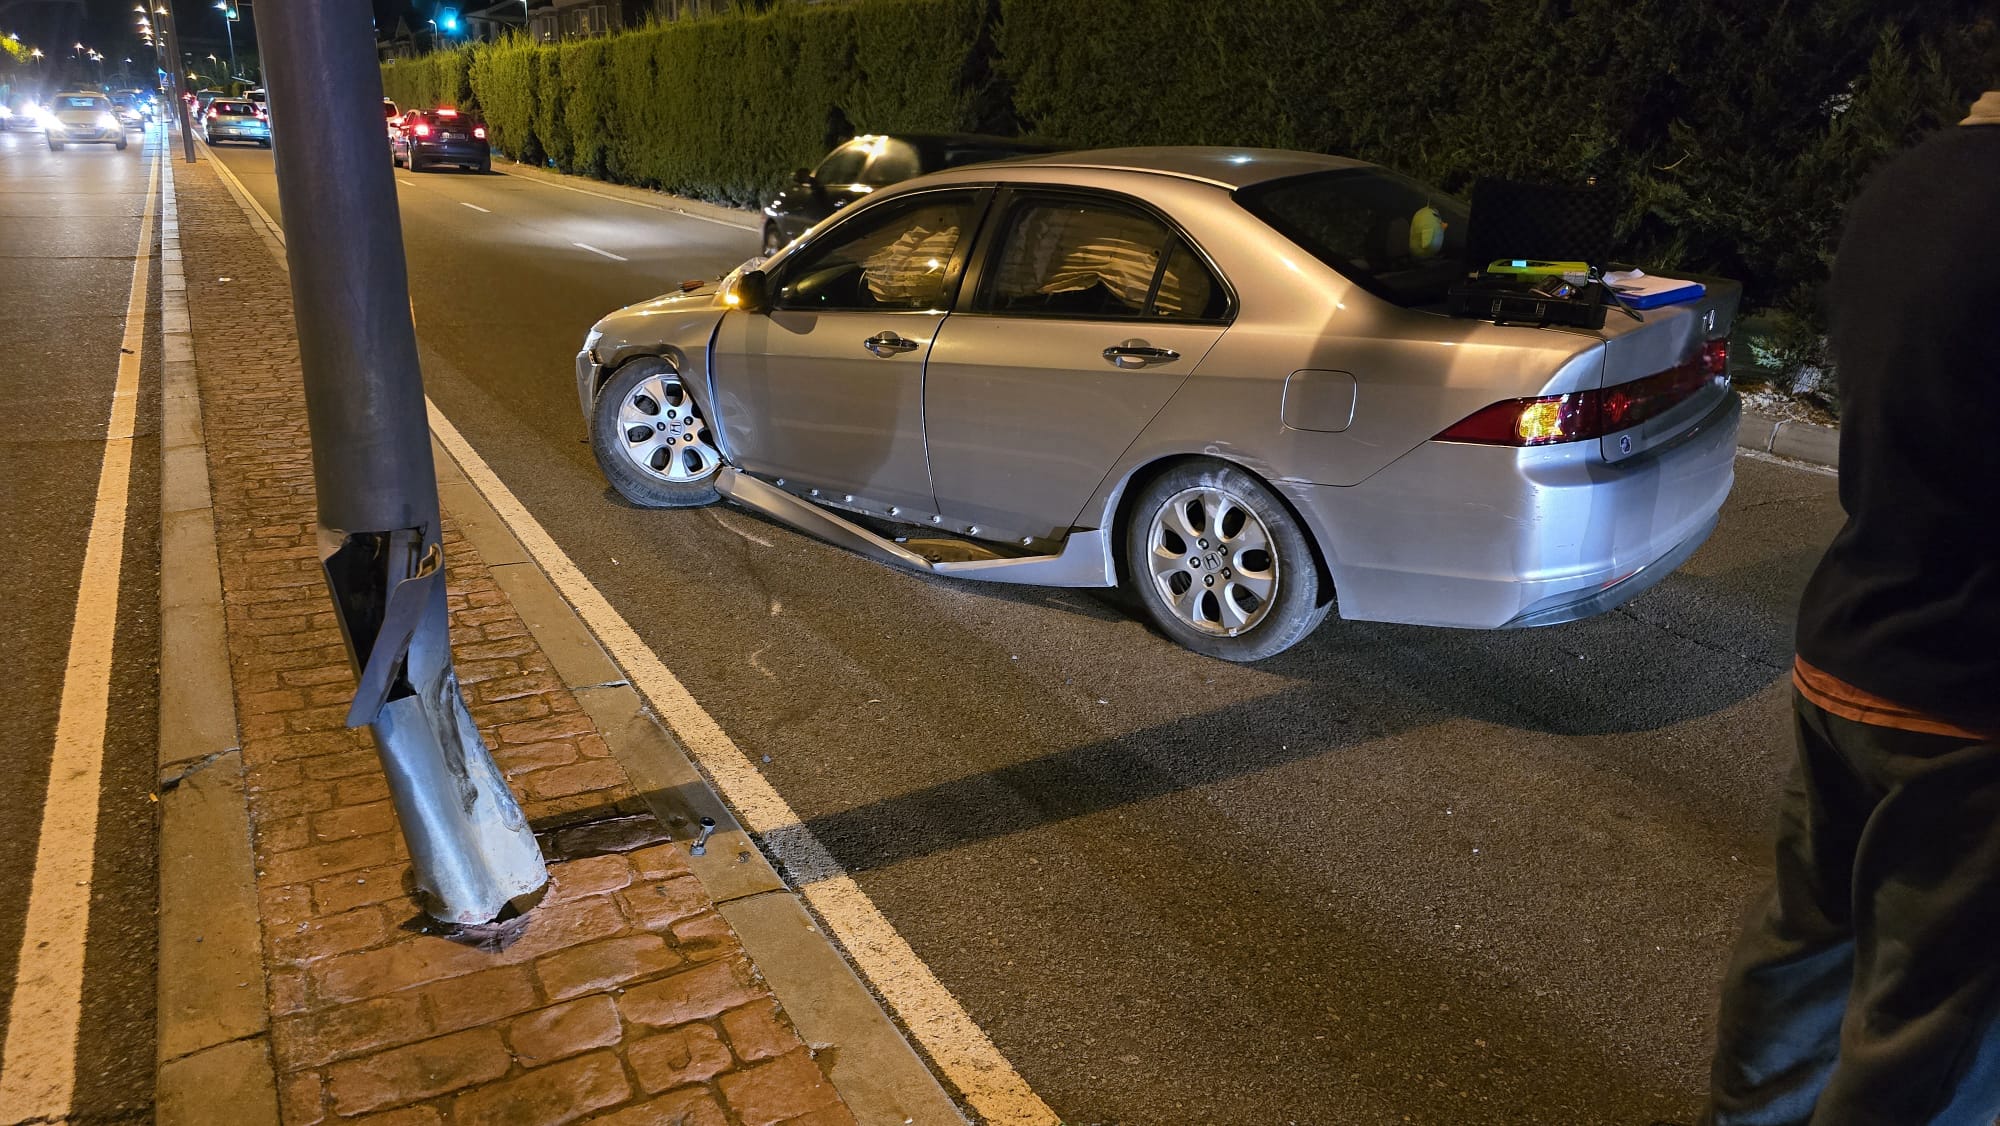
[[1223, 378]]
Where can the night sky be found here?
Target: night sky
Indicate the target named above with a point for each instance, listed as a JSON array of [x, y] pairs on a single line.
[[111, 27]]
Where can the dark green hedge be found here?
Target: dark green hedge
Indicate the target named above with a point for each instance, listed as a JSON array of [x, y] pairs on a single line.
[[718, 108], [1735, 128]]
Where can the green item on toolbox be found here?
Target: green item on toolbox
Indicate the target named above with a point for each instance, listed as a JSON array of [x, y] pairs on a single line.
[[1532, 267]]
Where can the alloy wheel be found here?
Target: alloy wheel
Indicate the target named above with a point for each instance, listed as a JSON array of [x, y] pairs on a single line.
[[664, 435], [1212, 561]]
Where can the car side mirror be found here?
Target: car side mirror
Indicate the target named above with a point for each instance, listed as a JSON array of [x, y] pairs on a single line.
[[752, 292]]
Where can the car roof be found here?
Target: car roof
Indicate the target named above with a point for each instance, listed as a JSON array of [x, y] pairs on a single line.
[[1230, 168], [79, 94], [967, 140]]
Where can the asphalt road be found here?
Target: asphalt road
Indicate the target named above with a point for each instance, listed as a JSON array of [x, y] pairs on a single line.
[[68, 225], [1396, 874]]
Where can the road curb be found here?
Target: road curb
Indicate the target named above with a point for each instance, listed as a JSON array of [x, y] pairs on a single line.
[[1809, 442], [213, 1053], [868, 1057], [644, 197]]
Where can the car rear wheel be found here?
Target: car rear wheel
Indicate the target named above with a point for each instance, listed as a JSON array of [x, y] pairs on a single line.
[[650, 438], [121, 143], [1220, 564], [55, 146]]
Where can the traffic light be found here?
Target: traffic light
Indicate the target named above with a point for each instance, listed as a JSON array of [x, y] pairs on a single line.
[[230, 11]]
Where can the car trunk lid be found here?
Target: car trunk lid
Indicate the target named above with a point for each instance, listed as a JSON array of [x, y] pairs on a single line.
[[1663, 372]]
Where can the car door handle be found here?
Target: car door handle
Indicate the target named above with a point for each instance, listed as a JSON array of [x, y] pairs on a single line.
[[1139, 355], [889, 344]]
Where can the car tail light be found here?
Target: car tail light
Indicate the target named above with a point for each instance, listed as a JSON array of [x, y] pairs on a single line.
[[479, 132], [447, 112], [1582, 415], [421, 129], [212, 115]]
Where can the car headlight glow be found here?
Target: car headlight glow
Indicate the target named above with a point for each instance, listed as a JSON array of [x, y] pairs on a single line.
[[106, 121]]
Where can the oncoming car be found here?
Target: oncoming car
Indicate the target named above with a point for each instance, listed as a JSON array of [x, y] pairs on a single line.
[[1222, 378], [82, 117]]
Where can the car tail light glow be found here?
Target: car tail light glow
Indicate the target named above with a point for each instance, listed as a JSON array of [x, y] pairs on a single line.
[[1582, 415], [212, 114], [421, 129], [447, 112], [479, 132]]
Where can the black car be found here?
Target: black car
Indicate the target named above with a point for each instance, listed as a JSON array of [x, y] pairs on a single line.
[[425, 137], [866, 163]]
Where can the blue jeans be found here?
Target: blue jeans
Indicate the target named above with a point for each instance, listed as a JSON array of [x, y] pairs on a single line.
[[1865, 990]]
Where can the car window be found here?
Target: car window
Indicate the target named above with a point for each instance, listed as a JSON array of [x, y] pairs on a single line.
[[897, 256], [82, 102], [893, 162], [1396, 237], [389, 110], [1188, 291], [1076, 258], [842, 165], [232, 109]]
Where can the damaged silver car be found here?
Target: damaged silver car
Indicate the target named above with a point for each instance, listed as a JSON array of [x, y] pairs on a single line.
[[1222, 378]]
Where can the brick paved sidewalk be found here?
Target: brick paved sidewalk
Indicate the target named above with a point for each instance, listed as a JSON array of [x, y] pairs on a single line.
[[625, 996]]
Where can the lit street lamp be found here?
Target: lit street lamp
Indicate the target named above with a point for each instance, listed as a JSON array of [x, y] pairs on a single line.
[[228, 10]]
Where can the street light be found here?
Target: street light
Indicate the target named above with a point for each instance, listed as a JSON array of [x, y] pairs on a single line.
[[228, 10]]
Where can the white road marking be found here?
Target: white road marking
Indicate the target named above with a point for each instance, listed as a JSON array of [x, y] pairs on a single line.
[[38, 1063], [638, 202], [606, 253], [475, 207], [955, 1043], [1787, 462]]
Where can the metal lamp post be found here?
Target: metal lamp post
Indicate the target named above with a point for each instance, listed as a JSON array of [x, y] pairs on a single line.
[[228, 11], [473, 853]]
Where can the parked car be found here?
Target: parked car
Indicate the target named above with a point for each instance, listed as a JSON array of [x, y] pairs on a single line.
[[867, 164], [440, 136], [82, 117], [235, 119], [202, 98], [1223, 378]]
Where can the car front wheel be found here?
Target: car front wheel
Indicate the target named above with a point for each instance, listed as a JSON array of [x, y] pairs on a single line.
[[651, 440], [1220, 564]]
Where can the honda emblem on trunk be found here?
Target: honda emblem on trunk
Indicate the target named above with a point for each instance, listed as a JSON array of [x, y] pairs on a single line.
[[1625, 443]]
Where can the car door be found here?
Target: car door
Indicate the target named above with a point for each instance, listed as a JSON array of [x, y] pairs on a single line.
[[1088, 312], [825, 390]]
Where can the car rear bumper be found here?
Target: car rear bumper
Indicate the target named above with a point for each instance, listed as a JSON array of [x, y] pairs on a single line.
[[239, 132], [1486, 537], [462, 152]]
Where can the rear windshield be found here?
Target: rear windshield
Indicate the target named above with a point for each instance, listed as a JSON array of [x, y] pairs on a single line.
[[233, 109], [82, 102], [1397, 238], [388, 109]]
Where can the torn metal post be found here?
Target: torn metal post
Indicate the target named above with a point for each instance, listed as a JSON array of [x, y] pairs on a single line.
[[474, 855]]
